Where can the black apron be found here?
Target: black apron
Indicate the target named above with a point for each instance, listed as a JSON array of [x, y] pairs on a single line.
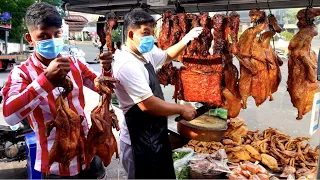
[[149, 138]]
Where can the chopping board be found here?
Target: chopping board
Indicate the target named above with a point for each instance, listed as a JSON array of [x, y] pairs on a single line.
[[204, 128]]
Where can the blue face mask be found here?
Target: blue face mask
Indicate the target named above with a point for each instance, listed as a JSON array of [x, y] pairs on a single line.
[[146, 44], [50, 48]]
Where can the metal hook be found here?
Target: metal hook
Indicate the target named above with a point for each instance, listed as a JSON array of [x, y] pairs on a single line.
[[198, 6], [66, 8], [309, 20], [310, 3], [269, 7], [228, 8], [258, 8]]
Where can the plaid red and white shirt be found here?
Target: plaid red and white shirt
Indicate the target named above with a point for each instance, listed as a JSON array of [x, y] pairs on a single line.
[[28, 93]]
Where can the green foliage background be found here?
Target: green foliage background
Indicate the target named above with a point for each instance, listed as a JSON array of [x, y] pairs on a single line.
[[17, 10]]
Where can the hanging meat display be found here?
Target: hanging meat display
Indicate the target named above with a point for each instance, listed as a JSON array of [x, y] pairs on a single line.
[[100, 140], [273, 60], [230, 91], [101, 32], [69, 138], [302, 64], [259, 65], [110, 25], [164, 36], [248, 50], [183, 23], [200, 79], [104, 29], [213, 79], [202, 76]]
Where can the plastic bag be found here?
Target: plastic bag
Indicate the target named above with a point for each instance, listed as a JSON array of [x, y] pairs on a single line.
[[181, 166], [209, 166]]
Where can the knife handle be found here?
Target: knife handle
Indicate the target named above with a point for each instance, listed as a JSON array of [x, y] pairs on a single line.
[[179, 118]]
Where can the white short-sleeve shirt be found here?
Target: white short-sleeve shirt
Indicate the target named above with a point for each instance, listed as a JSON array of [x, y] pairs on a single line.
[[134, 80]]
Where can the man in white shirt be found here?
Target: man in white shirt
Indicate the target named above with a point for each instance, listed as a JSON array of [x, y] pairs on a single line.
[[144, 140]]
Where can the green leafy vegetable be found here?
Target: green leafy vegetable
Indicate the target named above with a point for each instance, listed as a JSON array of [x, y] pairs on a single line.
[[219, 112], [183, 172], [178, 155]]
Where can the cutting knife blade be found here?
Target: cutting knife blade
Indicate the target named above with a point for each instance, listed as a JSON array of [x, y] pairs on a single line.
[[200, 111]]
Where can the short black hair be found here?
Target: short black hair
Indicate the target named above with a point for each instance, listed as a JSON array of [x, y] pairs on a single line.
[[43, 14], [135, 19]]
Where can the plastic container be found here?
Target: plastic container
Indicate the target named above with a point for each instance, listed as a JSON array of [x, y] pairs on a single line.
[[31, 150]]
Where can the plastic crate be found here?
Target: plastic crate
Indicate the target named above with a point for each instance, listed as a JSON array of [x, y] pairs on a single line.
[[31, 150]]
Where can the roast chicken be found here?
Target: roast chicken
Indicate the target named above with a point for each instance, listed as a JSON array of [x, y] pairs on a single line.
[[302, 63], [246, 41], [260, 83], [265, 77], [257, 16], [100, 140], [230, 92], [273, 60], [69, 138], [250, 47], [164, 36], [306, 16]]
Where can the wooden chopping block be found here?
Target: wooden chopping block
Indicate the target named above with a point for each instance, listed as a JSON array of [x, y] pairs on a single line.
[[204, 128]]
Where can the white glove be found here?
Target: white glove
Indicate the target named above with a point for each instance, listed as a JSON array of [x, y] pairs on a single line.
[[191, 35]]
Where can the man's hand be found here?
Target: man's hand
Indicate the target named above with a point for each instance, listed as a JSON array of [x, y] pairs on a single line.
[[188, 112], [105, 60], [192, 34], [175, 50], [57, 69]]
